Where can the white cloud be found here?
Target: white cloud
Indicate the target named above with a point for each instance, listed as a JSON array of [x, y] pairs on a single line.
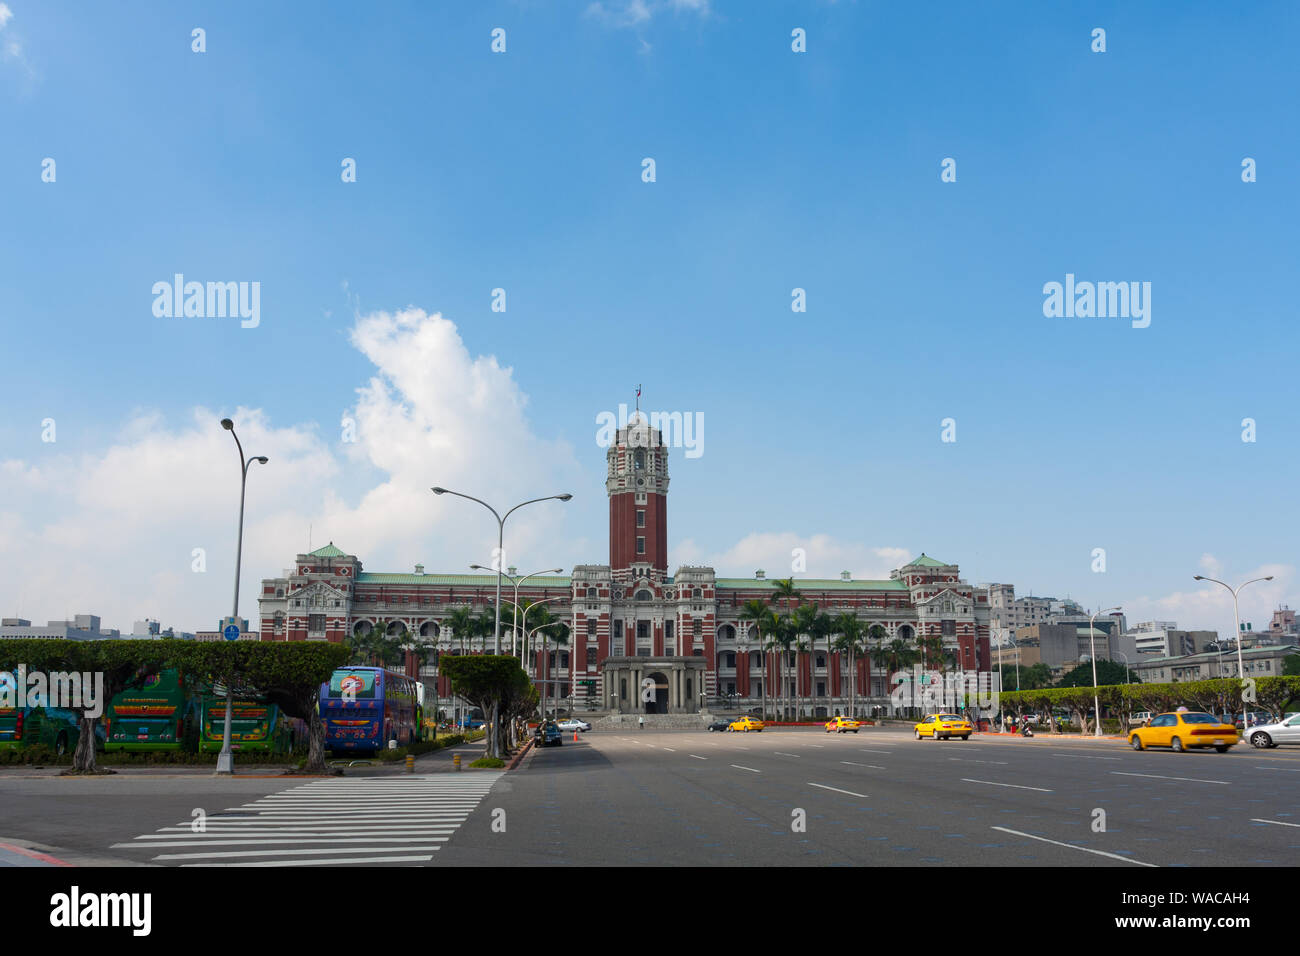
[[824, 555], [110, 531], [5, 15], [635, 13], [1209, 606]]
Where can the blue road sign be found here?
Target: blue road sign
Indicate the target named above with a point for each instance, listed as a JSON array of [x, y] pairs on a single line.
[[231, 633]]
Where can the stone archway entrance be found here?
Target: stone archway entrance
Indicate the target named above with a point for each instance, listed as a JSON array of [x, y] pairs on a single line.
[[659, 704]]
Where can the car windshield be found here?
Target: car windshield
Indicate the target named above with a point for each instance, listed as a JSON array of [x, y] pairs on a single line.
[[1200, 719], [950, 717]]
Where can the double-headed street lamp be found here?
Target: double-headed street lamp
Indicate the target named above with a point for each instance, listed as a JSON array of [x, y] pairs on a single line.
[[516, 580], [1241, 669], [226, 759], [501, 532], [1092, 637]]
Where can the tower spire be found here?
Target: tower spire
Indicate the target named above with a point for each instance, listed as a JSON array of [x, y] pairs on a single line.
[[638, 397]]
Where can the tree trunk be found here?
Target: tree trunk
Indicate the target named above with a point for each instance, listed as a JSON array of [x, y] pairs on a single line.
[[315, 745], [83, 760]]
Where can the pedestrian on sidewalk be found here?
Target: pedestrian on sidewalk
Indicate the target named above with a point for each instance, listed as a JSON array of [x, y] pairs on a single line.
[[641, 722]]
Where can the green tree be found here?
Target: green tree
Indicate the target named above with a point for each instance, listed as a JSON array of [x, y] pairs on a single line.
[[1108, 672], [849, 640], [1291, 665], [760, 614], [487, 681]]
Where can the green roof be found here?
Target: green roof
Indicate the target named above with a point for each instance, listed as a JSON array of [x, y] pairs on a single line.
[[925, 562], [329, 551], [814, 584], [462, 580]]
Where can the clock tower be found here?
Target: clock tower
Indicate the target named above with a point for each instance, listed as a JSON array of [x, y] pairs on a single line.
[[636, 481]]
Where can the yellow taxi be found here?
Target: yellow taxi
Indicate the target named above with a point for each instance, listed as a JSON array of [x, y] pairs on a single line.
[[746, 724], [842, 725], [1184, 730], [943, 726]]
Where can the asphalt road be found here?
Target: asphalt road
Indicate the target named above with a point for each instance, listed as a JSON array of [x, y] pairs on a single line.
[[882, 798], [787, 797]]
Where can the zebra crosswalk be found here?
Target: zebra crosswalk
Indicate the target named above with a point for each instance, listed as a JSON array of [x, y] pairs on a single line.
[[375, 820]]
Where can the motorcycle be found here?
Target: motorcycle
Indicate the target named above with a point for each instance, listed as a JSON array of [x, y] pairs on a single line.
[[1026, 731]]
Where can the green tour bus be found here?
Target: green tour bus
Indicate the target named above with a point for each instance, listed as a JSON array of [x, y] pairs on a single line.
[[158, 716]]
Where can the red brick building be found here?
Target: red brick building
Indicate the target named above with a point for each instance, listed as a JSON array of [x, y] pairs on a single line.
[[631, 608]]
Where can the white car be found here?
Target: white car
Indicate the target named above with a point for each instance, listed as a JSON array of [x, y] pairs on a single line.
[[570, 724], [1285, 731]]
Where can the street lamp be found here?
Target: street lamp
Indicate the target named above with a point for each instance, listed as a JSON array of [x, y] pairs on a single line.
[[501, 532], [1092, 639], [1241, 668], [1127, 678], [516, 580], [226, 759]]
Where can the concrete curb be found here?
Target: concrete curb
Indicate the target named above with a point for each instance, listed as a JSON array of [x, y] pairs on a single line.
[[514, 762]]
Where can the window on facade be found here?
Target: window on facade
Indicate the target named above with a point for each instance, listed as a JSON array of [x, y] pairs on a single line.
[[640, 459], [591, 592], [618, 628], [591, 658], [731, 659], [948, 628], [640, 545], [697, 628], [668, 630], [640, 519], [643, 652], [699, 593], [316, 623], [644, 595], [642, 629], [591, 627]]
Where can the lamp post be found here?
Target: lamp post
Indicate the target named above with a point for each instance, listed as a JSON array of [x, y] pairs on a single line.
[[1236, 615], [501, 533], [516, 581], [226, 759], [1096, 695], [546, 664], [1127, 678]]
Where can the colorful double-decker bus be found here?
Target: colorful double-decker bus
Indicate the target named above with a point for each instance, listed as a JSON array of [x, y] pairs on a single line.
[[363, 708], [255, 726], [156, 716]]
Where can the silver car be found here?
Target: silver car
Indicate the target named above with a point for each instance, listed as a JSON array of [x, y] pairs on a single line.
[[1285, 731]]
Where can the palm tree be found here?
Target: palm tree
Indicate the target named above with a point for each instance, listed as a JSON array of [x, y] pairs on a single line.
[[758, 612], [778, 642], [894, 656], [849, 629], [805, 622], [785, 591], [462, 624]]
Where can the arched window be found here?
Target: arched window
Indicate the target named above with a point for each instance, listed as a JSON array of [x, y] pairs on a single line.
[[640, 459], [644, 595]]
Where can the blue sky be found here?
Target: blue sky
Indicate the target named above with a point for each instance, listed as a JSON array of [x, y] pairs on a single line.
[[775, 170]]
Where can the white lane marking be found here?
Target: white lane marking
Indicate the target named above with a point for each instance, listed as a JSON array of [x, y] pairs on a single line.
[[1082, 756], [1280, 769], [698, 757], [425, 838], [1015, 786], [1157, 776], [836, 789], [325, 862], [360, 849], [782, 753], [968, 760], [818, 746], [750, 769], [1274, 822], [870, 765], [866, 751], [1071, 846], [670, 750]]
